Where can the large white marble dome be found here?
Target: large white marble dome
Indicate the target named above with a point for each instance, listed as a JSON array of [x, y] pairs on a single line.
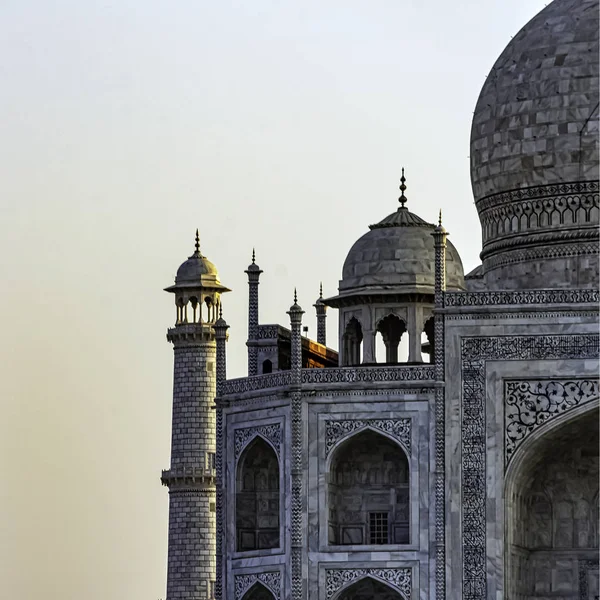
[[534, 153]]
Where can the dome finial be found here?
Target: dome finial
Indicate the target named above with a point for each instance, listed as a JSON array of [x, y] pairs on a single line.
[[295, 297], [402, 198], [440, 218], [253, 256], [321, 291], [197, 243]]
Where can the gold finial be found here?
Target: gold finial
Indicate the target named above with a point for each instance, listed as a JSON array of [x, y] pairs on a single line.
[[197, 242], [402, 198], [253, 256]]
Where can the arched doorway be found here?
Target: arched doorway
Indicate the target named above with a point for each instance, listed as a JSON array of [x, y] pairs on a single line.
[[368, 492], [257, 497], [551, 513], [258, 592], [369, 589]]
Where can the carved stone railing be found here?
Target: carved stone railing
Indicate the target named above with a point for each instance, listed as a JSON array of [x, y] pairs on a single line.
[[333, 375], [271, 332], [369, 374], [258, 382], [187, 475], [524, 297]]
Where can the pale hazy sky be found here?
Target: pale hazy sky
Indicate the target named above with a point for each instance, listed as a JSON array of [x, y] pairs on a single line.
[[124, 126]]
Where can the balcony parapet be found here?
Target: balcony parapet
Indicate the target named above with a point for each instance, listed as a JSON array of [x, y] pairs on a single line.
[[188, 476]]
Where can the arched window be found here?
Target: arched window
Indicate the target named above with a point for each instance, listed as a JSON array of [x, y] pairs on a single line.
[[258, 592], [257, 498], [267, 366], [369, 589], [368, 492], [391, 329], [352, 339]]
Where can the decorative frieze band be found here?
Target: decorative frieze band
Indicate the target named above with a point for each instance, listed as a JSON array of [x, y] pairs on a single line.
[[399, 429], [398, 578], [271, 580], [530, 404], [271, 432], [333, 375], [368, 374], [524, 297], [475, 351]]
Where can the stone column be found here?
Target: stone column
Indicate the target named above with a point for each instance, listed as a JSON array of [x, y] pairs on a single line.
[[439, 236], [253, 271], [415, 328], [220, 328], [297, 458], [191, 478]]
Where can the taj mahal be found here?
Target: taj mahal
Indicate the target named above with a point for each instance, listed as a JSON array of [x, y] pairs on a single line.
[[464, 467]]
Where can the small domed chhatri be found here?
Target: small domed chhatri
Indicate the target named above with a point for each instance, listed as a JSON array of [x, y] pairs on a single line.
[[397, 255], [196, 267], [534, 153]]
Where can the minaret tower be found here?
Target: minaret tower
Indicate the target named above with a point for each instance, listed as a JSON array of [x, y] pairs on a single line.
[[321, 309], [192, 477], [253, 271]]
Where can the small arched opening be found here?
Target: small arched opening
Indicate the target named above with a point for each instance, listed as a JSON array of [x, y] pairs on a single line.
[[352, 339], [195, 309], [258, 592], [368, 492], [391, 329], [427, 339], [369, 589], [267, 366], [257, 497], [550, 511]]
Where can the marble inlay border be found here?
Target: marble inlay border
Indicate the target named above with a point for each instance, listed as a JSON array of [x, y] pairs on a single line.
[[522, 297], [271, 580], [529, 404], [475, 352], [585, 566], [271, 432], [399, 429], [398, 578]]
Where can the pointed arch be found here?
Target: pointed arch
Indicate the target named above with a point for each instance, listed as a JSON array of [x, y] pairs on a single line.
[[257, 496], [368, 588], [258, 592], [368, 491], [391, 328], [548, 498], [352, 342]]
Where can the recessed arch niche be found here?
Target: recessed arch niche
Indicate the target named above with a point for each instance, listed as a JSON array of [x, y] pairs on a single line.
[[257, 497], [368, 491], [551, 510]]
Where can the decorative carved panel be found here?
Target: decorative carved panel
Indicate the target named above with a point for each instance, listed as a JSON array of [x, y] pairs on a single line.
[[399, 429], [530, 404], [397, 578], [271, 580], [271, 432]]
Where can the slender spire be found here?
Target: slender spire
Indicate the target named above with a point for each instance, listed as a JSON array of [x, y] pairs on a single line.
[[321, 291], [440, 218], [253, 256], [197, 245], [295, 297], [220, 310], [402, 198]]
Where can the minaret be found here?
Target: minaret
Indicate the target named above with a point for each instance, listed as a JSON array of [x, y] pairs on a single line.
[[321, 309], [439, 238], [192, 477], [253, 271]]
